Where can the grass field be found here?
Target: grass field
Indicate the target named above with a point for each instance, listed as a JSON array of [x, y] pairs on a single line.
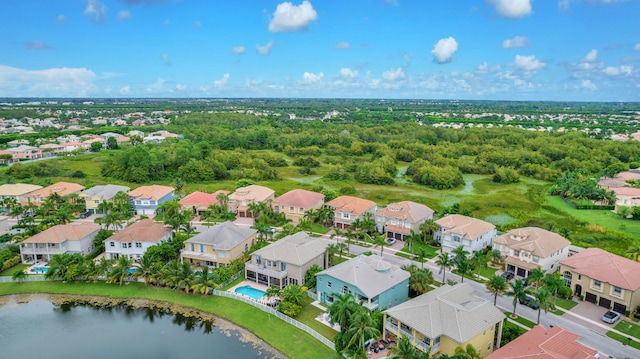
[[284, 337], [628, 328], [624, 340], [10, 271], [526, 322]]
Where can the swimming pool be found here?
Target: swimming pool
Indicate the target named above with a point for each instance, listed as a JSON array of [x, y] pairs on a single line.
[[40, 270], [256, 294]]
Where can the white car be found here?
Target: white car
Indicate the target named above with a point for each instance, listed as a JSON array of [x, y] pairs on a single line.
[[390, 241], [610, 317]]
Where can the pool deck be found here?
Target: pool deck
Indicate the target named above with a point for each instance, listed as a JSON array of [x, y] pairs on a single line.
[[253, 285]]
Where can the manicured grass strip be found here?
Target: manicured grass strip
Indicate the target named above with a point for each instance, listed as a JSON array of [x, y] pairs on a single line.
[[282, 336], [622, 339], [564, 304], [487, 272], [308, 316], [628, 328], [521, 320], [9, 272]]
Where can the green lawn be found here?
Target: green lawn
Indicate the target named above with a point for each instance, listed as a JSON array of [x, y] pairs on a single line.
[[565, 304], [521, 320], [431, 251], [10, 271], [623, 339], [284, 337], [628, 328], [308, 317]]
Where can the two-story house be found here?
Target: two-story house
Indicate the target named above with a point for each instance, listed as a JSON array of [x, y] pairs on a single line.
[[17, 191], [146, 199], [60, 239], [603, 278], [133, 241], [531, 247], [370, 279], [199, 202], [23, 152], [397, 220], [218, 245], [296, 202], [98, 194], [286, 261], [444, 319], [62, 189], [626, 197], [241, 199], [458, 230], [347, 208]]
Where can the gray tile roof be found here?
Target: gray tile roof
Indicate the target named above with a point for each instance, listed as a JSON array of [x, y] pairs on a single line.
[[224, 236], [106, 192], [296, 249], [453, 311], [370, 274]]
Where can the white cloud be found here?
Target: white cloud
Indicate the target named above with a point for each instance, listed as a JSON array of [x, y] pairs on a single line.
[[637, 47], [347, 73], [124, 15], [518, 41], [591, 56], [618, 71], [345, 45], [483, 68], [309, 77], [289, 17], [54, 82], [512, 8], [61, 18], [222, 82], [528, 63], [587, 84], [181, 87], [266, 49], [38, 45], [238, 50], [96, 10], [166, 59], [393, 75], [444, 49], [157, 86], [125, 90]]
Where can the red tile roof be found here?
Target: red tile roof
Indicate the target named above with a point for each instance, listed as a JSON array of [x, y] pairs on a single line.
[[300, 198], [351, 204], [153, 192], [201, 198], [601, 265], [545, 343], [145, 230]]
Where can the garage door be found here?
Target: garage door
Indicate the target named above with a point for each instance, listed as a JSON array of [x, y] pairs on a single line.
[[590, 297], [620, 308], [605, 303]]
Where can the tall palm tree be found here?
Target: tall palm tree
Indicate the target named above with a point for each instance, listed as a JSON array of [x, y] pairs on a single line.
[[362, 327], [19, 275], [542, 296], [356, 224], [422, 255], [411, 240], [223, 201], [444, 263], [421, 280], [380, 241], [294, 294], [273, 292], [468, 352], [337, 233], [460, 253], [478, 261], [341, 247], [332, 249], [463, 266], [497, 285], [203, 282], [404, 349], [555, 284], [536, 276], [519, 292], [311, 216], [341, 310], [168, 209], [120, 271], [428, 228]]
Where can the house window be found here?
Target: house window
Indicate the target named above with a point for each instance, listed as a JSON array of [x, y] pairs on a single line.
[[617, 291], [292, 210], [456, 238], [144, 202], [246, 247], [516, 253], [489, 346], [536, 259], [202, 248], [138, 245], [95, 201], [300, 210], [191, 247], [328, 284], [112, 244], [345, 215], [345, 290], [597, 283], [129, 245], [526, 254], [276, 209], [283, 266], [124, 245], [258, 260]]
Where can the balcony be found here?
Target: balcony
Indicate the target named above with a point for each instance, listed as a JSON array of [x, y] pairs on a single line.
[[262, 270], [392, 326]]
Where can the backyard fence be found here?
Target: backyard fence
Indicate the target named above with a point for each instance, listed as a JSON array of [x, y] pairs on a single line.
[[29, 278]]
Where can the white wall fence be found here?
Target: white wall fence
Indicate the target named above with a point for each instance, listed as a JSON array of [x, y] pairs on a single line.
[[252, 302]]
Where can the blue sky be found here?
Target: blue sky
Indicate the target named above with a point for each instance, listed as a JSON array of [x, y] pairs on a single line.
[[576, 50]]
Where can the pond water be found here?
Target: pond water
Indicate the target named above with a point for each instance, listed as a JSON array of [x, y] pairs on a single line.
[[40, 329]]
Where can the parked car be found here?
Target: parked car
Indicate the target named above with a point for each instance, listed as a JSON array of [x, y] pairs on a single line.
[[85, 214], [508, 275], [610, 317], [390, 241], [530, 302]]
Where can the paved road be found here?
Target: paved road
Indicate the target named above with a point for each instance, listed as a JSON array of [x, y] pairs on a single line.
[[592, 333]]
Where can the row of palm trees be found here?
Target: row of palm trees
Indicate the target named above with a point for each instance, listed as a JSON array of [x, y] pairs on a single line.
[[465, 262]]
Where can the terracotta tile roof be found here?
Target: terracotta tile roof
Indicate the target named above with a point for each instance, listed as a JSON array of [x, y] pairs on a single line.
[[17, 189], [626, 191], [611, 183], [253, 193], [407, 210], [537, 241], [470, 228], [145, 230], [61, 188], [299, 198], [64, 232], [354, 205], [601, 265], [628, 175], [201, 199], [153, 192], [545, 343]]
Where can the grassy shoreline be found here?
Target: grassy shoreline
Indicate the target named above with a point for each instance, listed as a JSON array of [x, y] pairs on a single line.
[[286, 338]]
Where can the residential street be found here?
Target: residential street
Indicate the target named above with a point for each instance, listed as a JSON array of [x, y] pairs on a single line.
[[592, 332]]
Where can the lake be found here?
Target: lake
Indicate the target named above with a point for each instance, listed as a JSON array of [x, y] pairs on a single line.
[[41, 329]]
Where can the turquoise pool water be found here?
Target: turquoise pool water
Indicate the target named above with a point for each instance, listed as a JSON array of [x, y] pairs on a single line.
[[40, 270], [256, 294]]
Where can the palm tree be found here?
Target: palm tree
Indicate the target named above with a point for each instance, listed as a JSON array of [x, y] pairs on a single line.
[[495, 256], [421, 280], [253, 209], [203, 282], [293, 293], [357, 227], [497, 285], [337, 233], [468, 352], [120, 271], [147, 269], [542, 296], [536, 276], [103, 267], [404, 349], [273, 292], [19, 275], [168, 209], [460, 253], [223, 201], [428, 228], [332, 249], [555, 284], [263, 230], [411, 240], [519, 292], [361, 328], [341, 247], [633, 253], [444, 262], [422, 255], [463, 266], [186, 277], [380, 241], [478, 261], [341, 309], [311, 216]]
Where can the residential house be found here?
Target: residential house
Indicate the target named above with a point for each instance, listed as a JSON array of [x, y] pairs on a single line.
[[17, 191], [62, 189], [23, 152], [146, 199], [199, 202], [5, 226], [370, 279], [545, 343], [16, 143], [286, 261], [525, 249], [241, 199], [6, 157], [626, 197], [98, 194], [60, 239], [218, 245], [445, 318], [397, 220], [72, 146], [347, 208], [296, 202], [603, 278], [51, 149], [133, 241], [458, 230]]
